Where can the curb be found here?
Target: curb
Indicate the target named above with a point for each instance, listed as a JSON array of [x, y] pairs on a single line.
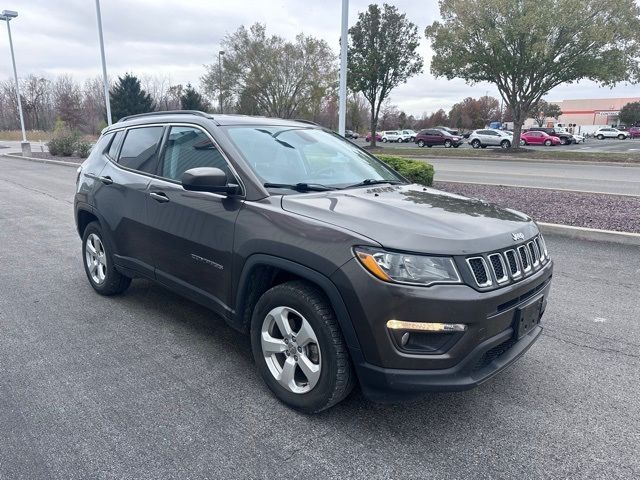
[[40, 160], [525, 160], [591, 234]]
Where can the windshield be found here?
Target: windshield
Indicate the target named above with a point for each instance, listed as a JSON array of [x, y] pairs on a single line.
[[299, 155]]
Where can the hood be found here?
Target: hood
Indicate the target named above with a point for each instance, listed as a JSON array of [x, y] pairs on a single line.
[[415, 218]]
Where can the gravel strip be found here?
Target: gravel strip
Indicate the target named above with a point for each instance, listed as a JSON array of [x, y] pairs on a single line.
[[590, 210]]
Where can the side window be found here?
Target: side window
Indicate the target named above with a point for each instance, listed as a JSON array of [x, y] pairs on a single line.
[[140, 149], [115, 145], [189, 147]]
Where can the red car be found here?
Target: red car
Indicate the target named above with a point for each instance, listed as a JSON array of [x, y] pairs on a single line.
[[378, 137], [538, 138], [634, 132]]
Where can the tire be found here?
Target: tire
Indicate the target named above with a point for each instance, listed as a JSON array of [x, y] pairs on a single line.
[[505, 144], [483, 146], [563, 141], [421, 143], [547, 143], [476, 143], [96, 252], [384, 140], [523, 142], [429, 145], [621, 137], [299, 303], [447, 144], [600, 137], [456, 146]]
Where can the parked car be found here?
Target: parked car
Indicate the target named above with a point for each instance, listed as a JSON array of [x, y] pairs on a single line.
[[611, 132], [578, 138], [565, 137], [431, 136], [490, 137], [634, 132], [535, 137], [339, 269], [392, 136], [351, 134], [378, 137], [408, 135], [450, 131]]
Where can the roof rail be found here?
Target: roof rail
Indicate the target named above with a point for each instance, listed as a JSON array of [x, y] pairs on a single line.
[[166, 112], [306, 121]]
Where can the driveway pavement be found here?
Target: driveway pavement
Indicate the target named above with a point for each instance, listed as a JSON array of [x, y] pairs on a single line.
[[149, 385]]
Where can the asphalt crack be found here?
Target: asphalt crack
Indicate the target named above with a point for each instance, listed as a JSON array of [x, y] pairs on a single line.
[[591, 347], [35, 190]]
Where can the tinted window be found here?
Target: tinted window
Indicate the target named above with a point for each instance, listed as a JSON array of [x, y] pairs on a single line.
[[117, 140], [187, 148], [139, 150]]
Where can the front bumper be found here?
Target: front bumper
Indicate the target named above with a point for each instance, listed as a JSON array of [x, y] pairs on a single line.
[[488, 346]]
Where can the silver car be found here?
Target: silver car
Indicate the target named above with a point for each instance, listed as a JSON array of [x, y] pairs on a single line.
[[490, 137]]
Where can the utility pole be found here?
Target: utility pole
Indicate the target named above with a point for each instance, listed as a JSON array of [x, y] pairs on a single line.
[[344, 42], [7, 15], [105, 80], [220, 53]]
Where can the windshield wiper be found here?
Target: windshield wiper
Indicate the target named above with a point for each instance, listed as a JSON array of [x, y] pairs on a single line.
[[373, 181], [301, 187]]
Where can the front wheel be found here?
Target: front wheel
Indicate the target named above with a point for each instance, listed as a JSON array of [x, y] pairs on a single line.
[[505, 144], [447, 144], [621, 137], [547, 143], [600, 137], [298, 347], [421, 143], [563, 141], [98, 263]]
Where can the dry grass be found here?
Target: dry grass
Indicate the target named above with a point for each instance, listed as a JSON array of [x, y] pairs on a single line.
[[32, 135]]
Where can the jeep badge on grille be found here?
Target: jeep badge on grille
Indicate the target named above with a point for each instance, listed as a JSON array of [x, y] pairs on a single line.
[[517, 236]]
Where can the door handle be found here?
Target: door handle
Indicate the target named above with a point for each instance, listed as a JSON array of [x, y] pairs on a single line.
[[106, 180], [159, 197]]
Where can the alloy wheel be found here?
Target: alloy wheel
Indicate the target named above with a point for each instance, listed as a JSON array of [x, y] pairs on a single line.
[[96, 259], [291, 350]]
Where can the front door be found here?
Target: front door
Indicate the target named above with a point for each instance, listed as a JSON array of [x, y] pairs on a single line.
[[192, 231]]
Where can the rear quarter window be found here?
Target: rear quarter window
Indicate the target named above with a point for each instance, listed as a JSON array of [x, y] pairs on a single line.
[[140, 149]]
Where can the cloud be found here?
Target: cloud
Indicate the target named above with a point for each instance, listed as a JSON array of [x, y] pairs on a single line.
[[174, 39]]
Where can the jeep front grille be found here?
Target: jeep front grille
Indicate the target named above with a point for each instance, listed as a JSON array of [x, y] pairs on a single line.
[[503, 267]]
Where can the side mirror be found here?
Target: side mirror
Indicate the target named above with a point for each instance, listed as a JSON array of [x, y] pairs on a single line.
[[206, 179]]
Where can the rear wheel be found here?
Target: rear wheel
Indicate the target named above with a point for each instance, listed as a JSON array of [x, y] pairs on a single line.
[[476, 143], [298, 347], [563, 141], [98, 263], [421, 143]]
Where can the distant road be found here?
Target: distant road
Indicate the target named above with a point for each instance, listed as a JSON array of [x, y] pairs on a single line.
[[586, 177]]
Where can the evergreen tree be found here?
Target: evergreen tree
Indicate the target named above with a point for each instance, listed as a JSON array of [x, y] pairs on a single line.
[[192, 100], [128, 98]]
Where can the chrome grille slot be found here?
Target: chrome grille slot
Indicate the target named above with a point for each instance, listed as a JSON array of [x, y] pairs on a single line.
[[524, 259], [479, 270], [499, 268], [540, 250], [535, 257], [514, 266]]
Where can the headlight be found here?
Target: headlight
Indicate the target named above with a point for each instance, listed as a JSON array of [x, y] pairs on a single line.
[[405, 268]]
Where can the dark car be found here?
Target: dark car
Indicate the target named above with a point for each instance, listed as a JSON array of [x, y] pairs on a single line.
[[351, 134], [565, 137], [431, 136], [340, 270], [634, 132]]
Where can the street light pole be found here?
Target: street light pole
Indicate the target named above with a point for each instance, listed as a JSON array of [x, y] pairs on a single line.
[[105, 80], [344, 41], [220, 53], [7, 15]]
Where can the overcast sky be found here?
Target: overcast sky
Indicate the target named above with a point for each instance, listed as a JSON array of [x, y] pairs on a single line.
[[175, 38]]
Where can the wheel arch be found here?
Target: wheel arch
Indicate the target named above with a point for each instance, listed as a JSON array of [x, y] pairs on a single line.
[[261, 272], [84, 217]]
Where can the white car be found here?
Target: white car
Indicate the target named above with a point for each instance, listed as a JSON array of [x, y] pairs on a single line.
[[578, 138], [408, 135], [392, 136], [490, 137], [611, 132]]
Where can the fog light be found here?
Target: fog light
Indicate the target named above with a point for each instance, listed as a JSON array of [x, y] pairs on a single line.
[[426, 327]]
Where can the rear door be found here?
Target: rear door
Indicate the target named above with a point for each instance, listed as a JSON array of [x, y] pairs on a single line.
[[192, 231], [121, 195]]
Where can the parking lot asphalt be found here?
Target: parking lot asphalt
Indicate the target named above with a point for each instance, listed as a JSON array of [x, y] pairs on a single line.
[[590, 145], [149, 385]]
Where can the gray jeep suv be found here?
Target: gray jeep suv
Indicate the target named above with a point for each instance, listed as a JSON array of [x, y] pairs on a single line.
[[339, 269]]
